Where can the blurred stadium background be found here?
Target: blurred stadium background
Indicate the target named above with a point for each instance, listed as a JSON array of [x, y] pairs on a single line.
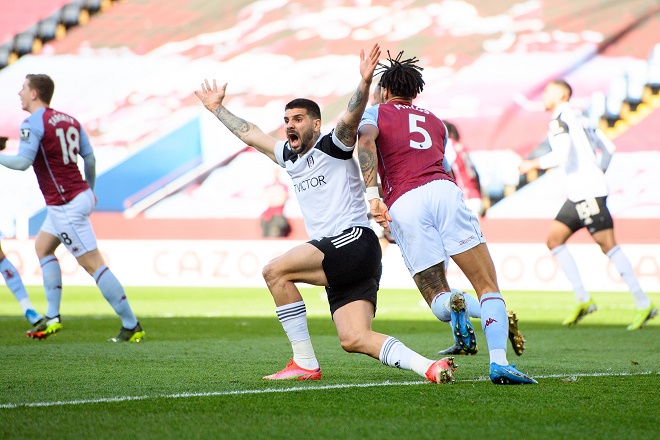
[[180, 197]]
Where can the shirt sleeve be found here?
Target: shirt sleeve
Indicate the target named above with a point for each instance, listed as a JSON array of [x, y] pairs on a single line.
[[370, 116], [560, 142], [450, 152], [31, 134], [278, 151], [85, 145]]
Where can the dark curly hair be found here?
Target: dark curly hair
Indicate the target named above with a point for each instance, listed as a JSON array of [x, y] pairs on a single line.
[[402, 77]]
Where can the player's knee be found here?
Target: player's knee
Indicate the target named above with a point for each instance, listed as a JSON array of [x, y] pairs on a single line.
[[552, 243], [270, 273]]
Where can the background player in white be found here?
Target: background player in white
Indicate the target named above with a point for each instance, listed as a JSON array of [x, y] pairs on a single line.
[[584, 154], [51, 142], [15, 284], [404, 144], [343, 254]]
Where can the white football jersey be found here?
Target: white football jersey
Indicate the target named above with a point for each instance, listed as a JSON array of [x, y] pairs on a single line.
[[575, 154], [327, 183]]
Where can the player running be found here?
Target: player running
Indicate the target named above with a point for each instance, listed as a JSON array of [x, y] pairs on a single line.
[[574, 149], [404, 144], [51, 142]]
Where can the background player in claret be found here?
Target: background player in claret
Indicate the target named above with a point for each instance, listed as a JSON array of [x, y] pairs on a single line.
[[51, 142], [343, 254], [15, 284], [404, 144], [574, 146]]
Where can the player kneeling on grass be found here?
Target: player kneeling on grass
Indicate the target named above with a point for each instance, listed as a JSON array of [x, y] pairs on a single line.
[[51, 142], [343, 254]]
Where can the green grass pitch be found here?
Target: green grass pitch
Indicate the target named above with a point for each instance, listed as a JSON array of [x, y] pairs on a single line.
[[197, 374]]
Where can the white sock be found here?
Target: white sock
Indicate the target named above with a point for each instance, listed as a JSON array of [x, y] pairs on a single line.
[[628, 274], [495, 325], [498, 356], [395, 354], [114, 293], [293, 318], [473, 306], [440, 306], [567, 264]]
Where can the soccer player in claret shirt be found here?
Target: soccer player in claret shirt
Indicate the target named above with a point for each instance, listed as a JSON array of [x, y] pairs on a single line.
[[471, 303], [425, 210], [574, 146], [15, 284], [343, 254], [51, 142]]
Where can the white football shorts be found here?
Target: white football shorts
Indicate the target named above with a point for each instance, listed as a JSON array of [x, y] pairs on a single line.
[[432, 223], [70, 223]]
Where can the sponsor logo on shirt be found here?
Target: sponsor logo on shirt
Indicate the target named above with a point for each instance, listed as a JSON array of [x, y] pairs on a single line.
[[25, 134], [312, 182]]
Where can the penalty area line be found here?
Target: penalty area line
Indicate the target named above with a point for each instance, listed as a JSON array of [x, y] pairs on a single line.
[[287, 390]]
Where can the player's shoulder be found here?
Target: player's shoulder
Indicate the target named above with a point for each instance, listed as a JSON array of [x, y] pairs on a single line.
[[55, 116], [557, 126]]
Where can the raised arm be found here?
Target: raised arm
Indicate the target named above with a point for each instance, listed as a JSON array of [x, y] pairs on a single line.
[[212, 97], [347, 126]]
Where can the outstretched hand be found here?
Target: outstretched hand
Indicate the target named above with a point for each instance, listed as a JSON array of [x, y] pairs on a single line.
[[211, 97], [368, 64], [380, 212]]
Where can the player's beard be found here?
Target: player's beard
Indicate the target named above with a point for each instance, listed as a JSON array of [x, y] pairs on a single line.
[[304, 139]]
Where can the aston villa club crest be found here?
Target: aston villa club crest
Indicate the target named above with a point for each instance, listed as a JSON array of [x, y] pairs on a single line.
[[310, 161]]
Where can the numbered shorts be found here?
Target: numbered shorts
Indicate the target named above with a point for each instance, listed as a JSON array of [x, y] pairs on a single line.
[[431, 223], [590, 213], [70, 223], [352, 265]]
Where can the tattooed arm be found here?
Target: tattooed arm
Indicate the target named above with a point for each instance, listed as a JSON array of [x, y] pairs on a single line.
[[368, 156], [212, 97], [346, 130]]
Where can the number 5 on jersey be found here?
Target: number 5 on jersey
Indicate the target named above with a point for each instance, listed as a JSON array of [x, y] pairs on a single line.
[[413, 125]]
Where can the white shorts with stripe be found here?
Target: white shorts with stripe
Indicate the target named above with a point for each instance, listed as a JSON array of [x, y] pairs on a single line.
[[431, 223], [70, 223]]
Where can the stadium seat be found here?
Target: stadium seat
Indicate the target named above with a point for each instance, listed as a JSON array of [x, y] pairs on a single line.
[[27, 41], [614, 100], [7, 54], [654, 65], [636, 77], [50, 28], [94, 6], [596, 109], [71, 14]]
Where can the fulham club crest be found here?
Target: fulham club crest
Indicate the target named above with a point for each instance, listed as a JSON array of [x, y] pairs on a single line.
[[310, 161]]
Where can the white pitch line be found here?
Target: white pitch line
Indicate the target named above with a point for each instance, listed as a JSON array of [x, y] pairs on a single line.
[[287, 390]]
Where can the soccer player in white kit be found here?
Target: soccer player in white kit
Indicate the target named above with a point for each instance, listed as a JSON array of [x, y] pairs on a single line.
[[51, 142], [574, 147], [424, 208], [343, 254]]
